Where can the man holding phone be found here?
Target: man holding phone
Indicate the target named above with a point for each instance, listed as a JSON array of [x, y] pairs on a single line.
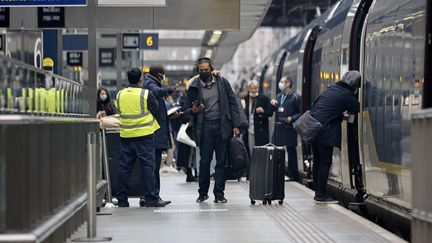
[[212, 107], [154, 82]]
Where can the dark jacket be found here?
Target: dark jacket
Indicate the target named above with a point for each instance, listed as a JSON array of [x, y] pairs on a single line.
[[284, 133], [162, 136], [261, 121], [229, 109], [329, 109]]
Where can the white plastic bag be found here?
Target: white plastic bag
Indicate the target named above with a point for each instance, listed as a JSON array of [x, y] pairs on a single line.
[[108, 122], [182, 136]]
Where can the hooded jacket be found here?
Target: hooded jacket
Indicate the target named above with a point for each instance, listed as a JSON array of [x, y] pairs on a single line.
[[329, 109]]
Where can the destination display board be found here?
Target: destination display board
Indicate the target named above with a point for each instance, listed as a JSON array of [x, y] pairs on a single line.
[[41, 3], [51, 17], [4, 17]]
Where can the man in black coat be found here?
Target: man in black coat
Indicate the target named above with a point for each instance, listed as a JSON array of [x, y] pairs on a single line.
[[153, 82], [287, 108], [258, 111], [214, 112], [328, 110]]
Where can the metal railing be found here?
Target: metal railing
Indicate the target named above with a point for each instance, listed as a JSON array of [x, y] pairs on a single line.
[[25, 89], [44, 158]]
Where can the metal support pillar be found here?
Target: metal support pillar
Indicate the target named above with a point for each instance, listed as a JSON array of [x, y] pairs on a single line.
[[91, 192], [119, 63]]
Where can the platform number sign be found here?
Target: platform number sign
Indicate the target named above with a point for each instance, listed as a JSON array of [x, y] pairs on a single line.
[[149, 41]]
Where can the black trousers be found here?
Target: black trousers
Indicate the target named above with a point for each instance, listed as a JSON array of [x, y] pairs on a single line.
[[158, 160], [292, 162], [141, 148], [321, 168], [212, 141]]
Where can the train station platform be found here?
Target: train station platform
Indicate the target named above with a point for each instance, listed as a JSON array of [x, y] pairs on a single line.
[[299, 219]]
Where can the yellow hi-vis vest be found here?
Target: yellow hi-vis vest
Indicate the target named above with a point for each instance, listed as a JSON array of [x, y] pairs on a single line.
[[135, 118]]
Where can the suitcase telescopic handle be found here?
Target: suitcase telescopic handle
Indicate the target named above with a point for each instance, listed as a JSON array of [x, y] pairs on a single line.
[[270, 145]]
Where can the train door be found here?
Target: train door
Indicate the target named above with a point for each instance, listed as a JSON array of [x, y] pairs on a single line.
[[306, 91], [356, 52]]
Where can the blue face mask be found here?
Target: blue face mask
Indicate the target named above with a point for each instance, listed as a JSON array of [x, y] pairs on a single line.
[[281, 86]]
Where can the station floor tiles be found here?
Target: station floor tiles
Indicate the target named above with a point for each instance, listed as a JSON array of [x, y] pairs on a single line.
[[299, 219]]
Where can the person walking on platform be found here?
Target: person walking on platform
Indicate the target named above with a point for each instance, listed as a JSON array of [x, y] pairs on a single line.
[[137, 108], [258, 111], [154, 82], [328, 110], [287, 107], [214, 112]]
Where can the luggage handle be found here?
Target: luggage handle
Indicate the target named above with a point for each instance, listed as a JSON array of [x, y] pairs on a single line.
[[270, 145]]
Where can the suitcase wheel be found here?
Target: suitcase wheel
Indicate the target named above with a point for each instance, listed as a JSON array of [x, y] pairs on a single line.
[[269, 202], [264, 202], [280, 202], [253, 202]]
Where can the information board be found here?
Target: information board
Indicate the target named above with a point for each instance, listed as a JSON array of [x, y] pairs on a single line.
[[149, 41], [131, 41], [51, 17], [4, 17], [106, 57], [74, 59], [41, 3]]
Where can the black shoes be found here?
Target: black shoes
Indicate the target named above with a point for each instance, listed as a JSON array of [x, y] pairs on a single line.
[[191, 179], [123, 204], [142, 202], [220, 200], [201, 199], [159, 203], [325, 200]]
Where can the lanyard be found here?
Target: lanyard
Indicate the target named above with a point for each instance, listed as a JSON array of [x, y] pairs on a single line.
[[283, 97]]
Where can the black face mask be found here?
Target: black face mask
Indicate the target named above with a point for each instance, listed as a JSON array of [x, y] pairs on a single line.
[[204, 76]]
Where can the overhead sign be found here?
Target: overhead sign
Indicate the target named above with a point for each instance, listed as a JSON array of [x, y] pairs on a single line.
[[106, 57], [41, 3], [131, 41], [74, 59], [149, 41], [51, 17], [132, 3], [4, 17]]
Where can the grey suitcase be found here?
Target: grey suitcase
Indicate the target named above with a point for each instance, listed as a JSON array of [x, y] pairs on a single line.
[[267, 174]]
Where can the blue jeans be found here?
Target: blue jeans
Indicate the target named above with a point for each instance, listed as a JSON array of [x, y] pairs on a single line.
[[143, 149], [212, 141]]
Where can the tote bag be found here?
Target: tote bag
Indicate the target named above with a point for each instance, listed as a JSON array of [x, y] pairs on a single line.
[[182, 136]]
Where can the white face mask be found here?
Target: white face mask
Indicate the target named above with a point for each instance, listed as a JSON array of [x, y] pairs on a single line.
[[281, 86], [103, 97], [253, 94], [162, 76]]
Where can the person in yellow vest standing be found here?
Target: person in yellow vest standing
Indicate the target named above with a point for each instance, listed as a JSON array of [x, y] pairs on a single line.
[[137, 108]]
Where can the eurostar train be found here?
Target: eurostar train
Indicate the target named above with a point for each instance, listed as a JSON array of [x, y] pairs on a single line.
[[385, 41]]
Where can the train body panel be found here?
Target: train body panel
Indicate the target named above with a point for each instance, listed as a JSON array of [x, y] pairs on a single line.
[[385, 41]]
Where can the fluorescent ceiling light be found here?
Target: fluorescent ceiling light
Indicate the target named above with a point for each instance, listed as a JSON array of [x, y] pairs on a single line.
[[173, 53], [214, 38], [209, 53], [179, 34], [179, 67]]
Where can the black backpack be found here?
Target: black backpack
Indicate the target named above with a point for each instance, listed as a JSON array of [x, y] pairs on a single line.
[[237, 158]]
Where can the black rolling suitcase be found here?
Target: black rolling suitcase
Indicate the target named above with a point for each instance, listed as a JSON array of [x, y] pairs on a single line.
[[136, 178], [267, 174]]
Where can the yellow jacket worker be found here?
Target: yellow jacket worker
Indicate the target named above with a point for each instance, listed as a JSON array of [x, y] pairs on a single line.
[[137, 108]]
